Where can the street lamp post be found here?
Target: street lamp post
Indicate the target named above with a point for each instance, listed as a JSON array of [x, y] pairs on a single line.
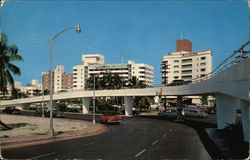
[[42, 102], [52, 38], [94, 102]]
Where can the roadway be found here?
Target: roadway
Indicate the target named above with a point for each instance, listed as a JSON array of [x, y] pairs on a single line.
[[134, 138]]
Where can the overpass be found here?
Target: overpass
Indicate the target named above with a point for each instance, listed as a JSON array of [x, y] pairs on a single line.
[[229, 82]]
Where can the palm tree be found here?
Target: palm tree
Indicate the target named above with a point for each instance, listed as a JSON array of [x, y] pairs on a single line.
[[46, 92], [37, 92], [135, 83], [8, 54]]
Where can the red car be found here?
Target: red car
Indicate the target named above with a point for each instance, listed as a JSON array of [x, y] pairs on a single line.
[[110, 118]]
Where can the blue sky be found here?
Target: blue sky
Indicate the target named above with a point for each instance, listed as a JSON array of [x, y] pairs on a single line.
[[142, 31]]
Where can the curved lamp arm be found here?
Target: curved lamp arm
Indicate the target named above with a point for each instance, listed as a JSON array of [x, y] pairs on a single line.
[[77, 27]]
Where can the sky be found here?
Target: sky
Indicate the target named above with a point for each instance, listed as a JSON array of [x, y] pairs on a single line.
[[141, 31]]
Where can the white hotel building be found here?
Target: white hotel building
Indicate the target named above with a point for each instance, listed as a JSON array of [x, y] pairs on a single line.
[[144, 72], [94, 64], [184, 64]]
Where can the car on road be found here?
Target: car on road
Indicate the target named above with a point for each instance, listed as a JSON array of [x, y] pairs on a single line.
[[178, 82], [110, 118], [194, 112], [56, 113], [171, 113], [12, 110], [135, 112]]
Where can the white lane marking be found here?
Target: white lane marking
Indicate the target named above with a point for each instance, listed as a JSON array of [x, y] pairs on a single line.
[[44, 155], [141, 152], [155, 142], [87, 144], [165, 135]]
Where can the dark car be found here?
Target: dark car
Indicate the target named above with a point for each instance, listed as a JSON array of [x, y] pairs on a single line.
[[178, 82], [135, 112], [56, 113], [12, 110]]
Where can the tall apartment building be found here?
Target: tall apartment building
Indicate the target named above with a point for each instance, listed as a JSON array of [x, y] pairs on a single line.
[[185, 64], [60, 80], [80, 71], [144, 72], [94, 64]]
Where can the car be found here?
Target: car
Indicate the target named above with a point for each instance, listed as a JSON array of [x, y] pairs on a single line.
[[12, 110], [56, 113], [110, 118], [178, 82], [135, 112], [171, 113], [194, 112]]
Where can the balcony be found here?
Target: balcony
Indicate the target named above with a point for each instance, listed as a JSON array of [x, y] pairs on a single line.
[[186, 66], [186, 71], [187, 60]]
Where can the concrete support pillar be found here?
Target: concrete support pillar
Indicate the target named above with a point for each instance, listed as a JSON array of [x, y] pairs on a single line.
[[85, 105], [226, 109], [179, 106], [245, 106], [128, 106]]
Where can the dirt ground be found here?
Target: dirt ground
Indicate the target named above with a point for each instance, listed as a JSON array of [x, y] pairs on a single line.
[[27, 126]]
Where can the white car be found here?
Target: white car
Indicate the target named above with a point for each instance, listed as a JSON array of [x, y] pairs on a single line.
[[194, 112]]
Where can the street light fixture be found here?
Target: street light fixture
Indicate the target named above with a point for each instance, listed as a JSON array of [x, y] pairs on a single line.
[[52, 38]]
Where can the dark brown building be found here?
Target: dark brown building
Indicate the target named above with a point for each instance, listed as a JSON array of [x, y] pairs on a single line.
[[183, 45]]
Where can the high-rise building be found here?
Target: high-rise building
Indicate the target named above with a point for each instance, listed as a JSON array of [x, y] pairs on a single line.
[[60, 80], [80, 71], [94, 64], [185, 64], [144, 72]]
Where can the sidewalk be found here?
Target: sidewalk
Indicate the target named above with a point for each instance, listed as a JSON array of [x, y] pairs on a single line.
[[34, 131]]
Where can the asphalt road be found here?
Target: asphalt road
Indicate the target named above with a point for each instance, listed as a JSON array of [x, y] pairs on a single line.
[[134, 138]]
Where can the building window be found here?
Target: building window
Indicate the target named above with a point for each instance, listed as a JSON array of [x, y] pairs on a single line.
[[203, 64], [176, 66], [186, 60], [176, 61], [187, 77], [187, 66], [176, 72], [203, 70], [203, 58]]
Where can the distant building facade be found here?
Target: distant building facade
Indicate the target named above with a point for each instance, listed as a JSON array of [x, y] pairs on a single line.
[[94, 64], [144, 72], [185, 64], [81, 71], [60, 80]]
